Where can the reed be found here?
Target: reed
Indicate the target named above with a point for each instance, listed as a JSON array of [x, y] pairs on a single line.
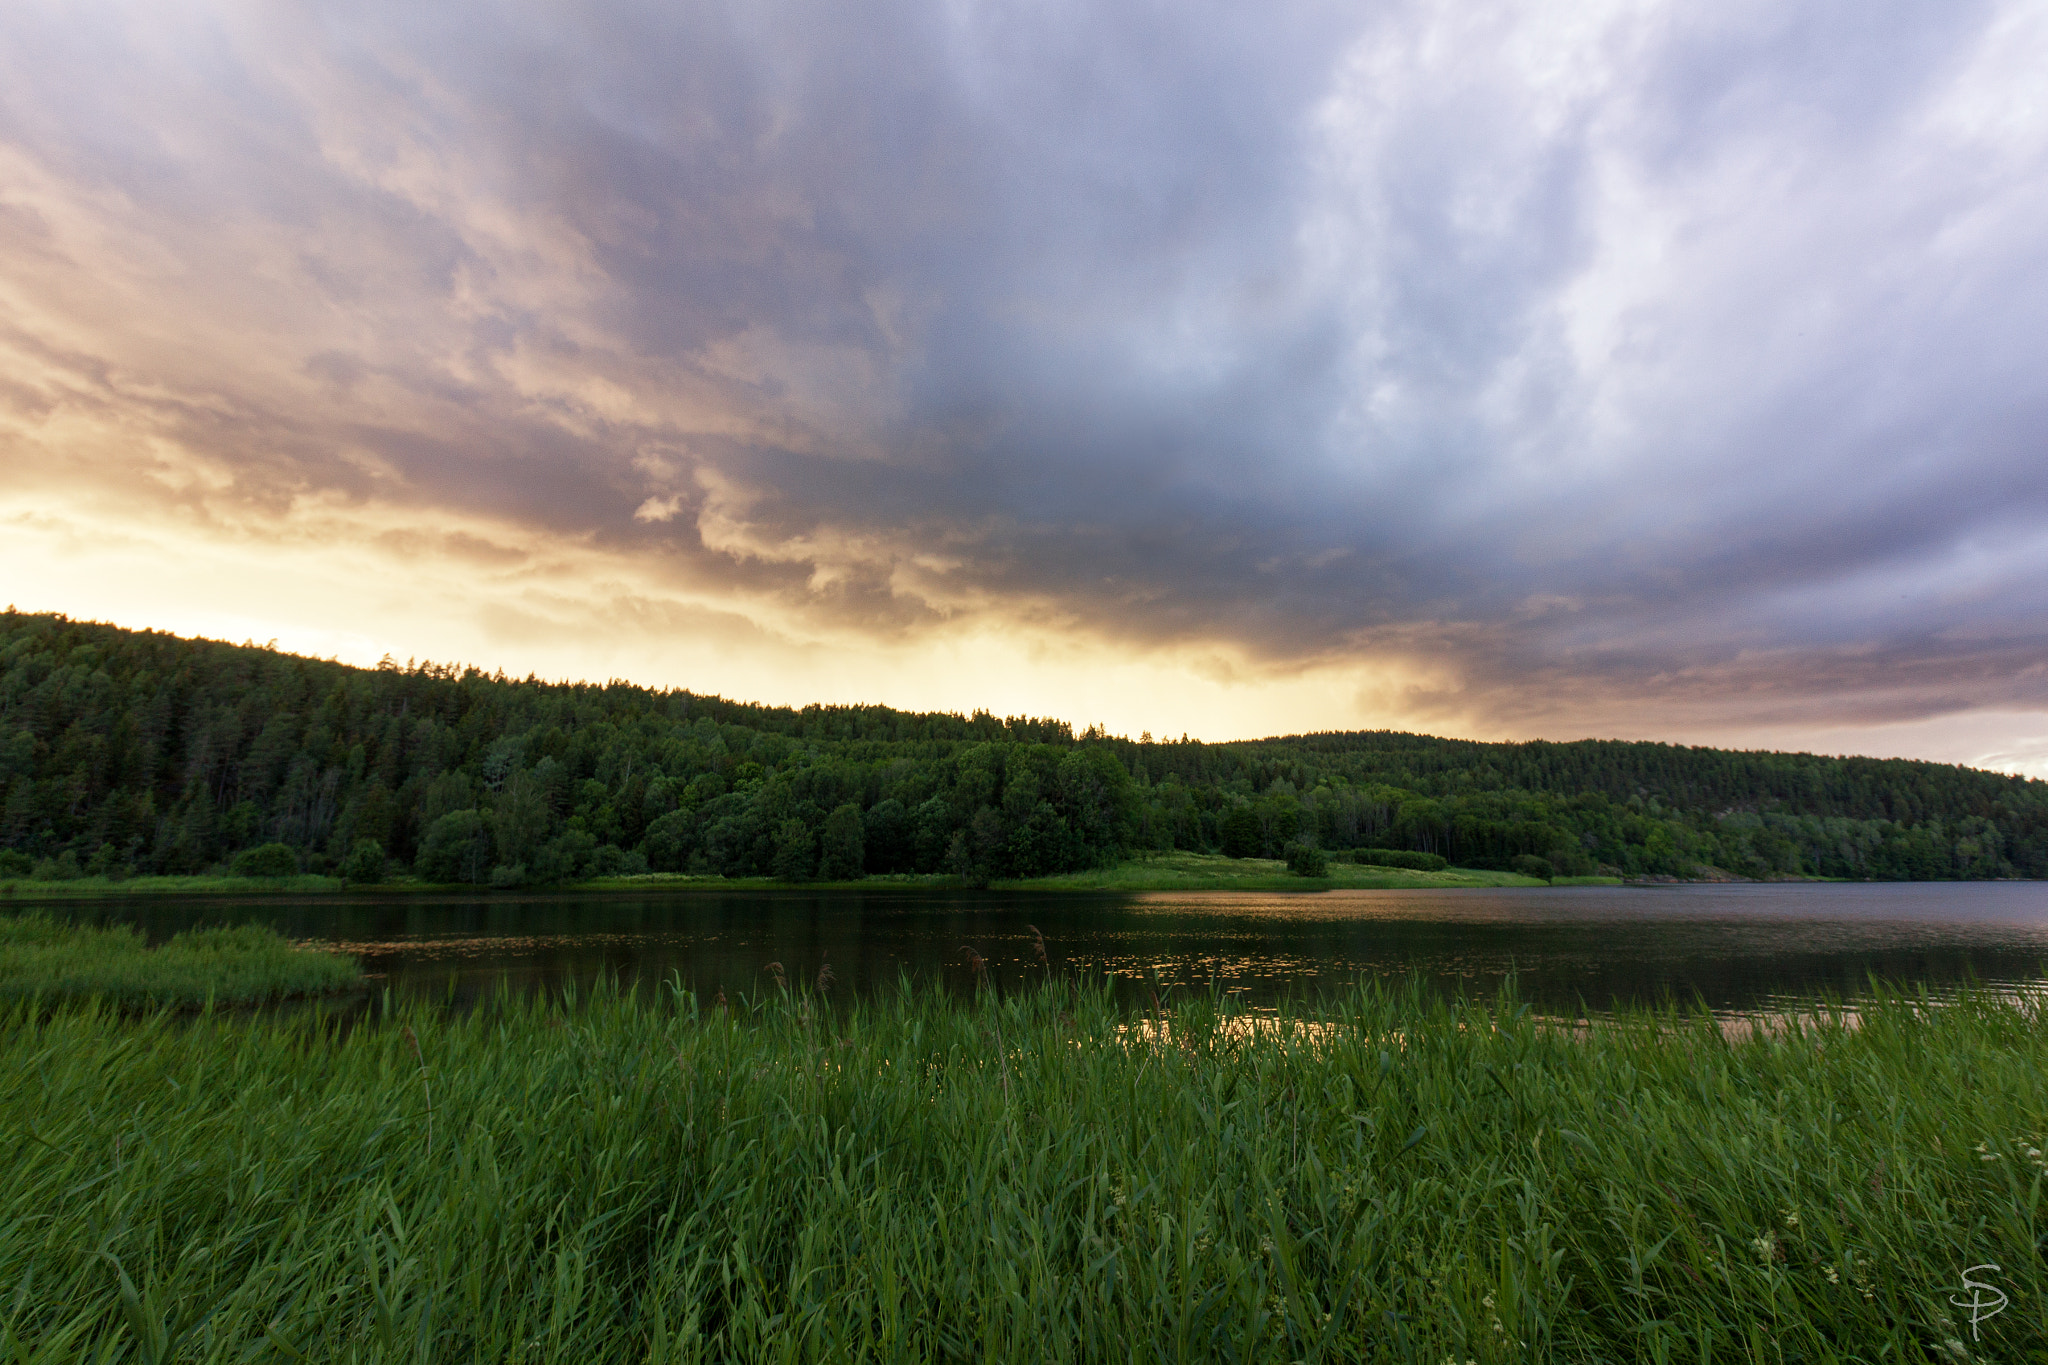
[[56, 962], [1384, 1176]]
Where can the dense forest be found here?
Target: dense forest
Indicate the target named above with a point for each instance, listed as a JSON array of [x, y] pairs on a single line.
[[131, 752]]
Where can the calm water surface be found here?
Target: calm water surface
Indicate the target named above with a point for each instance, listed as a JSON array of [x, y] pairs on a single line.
[[1738, 948]]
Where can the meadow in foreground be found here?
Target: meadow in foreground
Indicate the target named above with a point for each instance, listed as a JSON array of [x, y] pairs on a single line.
[[1038, 1177]]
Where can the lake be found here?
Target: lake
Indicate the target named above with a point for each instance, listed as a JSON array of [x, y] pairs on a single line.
[[1739, 948]]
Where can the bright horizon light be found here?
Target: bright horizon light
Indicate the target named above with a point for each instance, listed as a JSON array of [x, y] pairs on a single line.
[[1627, 371]]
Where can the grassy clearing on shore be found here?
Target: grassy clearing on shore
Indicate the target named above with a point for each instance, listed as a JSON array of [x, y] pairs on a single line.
[[1023, 1179], [47, 960], [1213, 872]]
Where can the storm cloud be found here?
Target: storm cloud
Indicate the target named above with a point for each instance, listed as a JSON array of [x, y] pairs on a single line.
[[1595, 368]]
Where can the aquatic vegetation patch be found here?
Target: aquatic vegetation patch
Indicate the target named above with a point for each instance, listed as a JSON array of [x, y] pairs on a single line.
[[47, 959]]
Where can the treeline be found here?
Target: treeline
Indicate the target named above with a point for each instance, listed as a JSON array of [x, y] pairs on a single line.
[[128, 752]]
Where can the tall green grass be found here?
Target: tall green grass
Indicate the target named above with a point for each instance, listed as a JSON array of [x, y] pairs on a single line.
[[45, 958], [1034, 1179]]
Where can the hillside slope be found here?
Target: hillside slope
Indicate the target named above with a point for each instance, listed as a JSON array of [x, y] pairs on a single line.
[[127, 752]]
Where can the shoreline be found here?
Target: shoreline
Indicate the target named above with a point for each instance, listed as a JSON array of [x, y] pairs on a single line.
[[1170, 872], [1160, 872]]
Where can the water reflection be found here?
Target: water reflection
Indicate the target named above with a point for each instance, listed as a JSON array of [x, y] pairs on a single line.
[[1737, 948]]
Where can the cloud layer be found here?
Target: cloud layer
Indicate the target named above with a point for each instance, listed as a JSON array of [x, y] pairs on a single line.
[[1625, 368]]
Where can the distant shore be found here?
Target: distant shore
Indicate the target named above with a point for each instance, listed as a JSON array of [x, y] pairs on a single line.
[[1176, 871]]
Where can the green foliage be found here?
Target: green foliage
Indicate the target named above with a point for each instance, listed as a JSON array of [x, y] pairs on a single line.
[[1529, 865], [134, 754], [519, 817], [609, 860], [1394, 857], [365, 863], [457, 848], [1306, 860], [1238, 832], [1030, 1177], [886, 838], [267, 860], [796, 852], [53, 961], [62, 868], [844, 852]]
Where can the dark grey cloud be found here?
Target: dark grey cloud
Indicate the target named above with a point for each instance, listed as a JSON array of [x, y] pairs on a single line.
[[1608, 358]]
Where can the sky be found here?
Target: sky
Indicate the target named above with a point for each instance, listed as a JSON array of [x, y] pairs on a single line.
[[1611, 368]]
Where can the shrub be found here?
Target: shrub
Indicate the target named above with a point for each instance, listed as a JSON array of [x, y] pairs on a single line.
[[796, 852], [1239, 832], [365, 863], [61, 868], [960, 863], [1529, 865], [1306, 860], [844, 845], [609, 860], [671, 839], [267, 860], [457, 848], [15, 863], [1397, 857], [106, 861]]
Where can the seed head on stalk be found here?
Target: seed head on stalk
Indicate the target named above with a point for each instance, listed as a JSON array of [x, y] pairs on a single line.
[[774, 969], [825, 977], [980, 970], [1038, 942]]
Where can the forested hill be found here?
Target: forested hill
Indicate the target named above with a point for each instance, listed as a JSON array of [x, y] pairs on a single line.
[[127, 752]]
